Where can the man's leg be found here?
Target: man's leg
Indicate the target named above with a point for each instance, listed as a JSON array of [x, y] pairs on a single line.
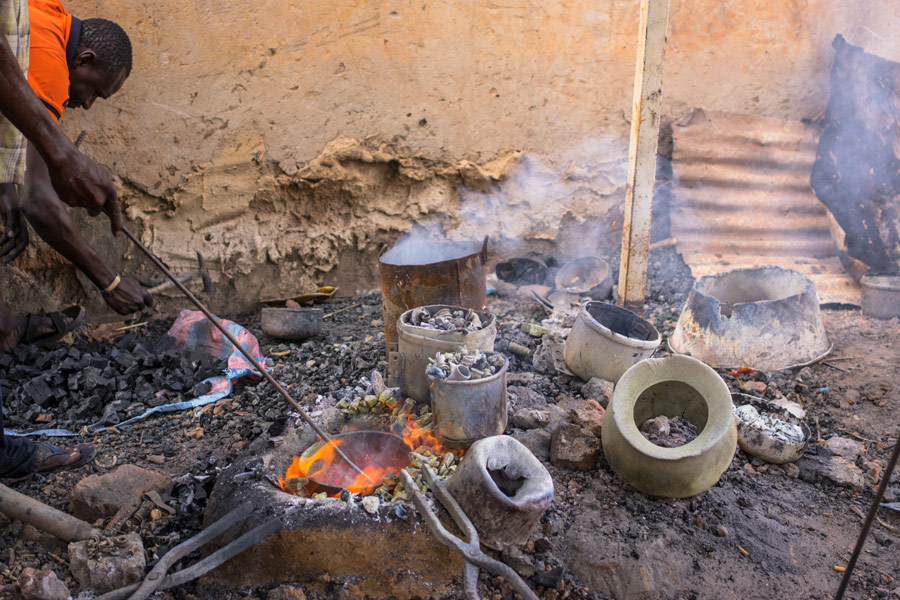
[[16, 453]]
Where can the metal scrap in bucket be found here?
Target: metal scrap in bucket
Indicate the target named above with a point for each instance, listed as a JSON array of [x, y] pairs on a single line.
[[464, 365], [446, 319]]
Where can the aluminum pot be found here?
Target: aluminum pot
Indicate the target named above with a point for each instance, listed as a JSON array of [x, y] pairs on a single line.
[[880, 295], [291, 323], [586, 276], [606, 340], [428, 273]]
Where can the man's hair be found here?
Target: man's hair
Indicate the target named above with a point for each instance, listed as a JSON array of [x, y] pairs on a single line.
[[110, 43]]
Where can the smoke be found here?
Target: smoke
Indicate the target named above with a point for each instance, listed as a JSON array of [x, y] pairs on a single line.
[[563, 201]]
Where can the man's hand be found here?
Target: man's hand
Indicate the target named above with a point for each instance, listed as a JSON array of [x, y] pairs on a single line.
[[130, 295], [79, 181], [14, 239]]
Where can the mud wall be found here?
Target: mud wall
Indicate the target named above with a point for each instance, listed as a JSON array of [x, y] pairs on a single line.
[[291, 141]]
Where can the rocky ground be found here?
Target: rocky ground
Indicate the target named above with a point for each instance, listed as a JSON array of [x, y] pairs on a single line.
[[763, 531]]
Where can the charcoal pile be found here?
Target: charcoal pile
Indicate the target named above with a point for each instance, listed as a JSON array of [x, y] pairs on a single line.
[[100, 382]]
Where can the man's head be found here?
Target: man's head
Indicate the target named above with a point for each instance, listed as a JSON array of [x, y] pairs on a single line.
[[102, 62]]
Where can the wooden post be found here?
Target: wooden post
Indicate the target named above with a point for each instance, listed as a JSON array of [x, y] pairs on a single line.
[[642, 153]]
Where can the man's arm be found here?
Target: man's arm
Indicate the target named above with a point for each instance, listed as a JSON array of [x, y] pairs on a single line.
[[78, 180], [52, 222]]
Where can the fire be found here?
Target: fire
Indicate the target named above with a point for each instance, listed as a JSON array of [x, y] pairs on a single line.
[[417, 436], [327, 467]]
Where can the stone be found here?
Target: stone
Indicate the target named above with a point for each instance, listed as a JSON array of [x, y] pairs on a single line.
[[537, 441], [98, 496], [835, 469], [598, 389], [107, 564], [548, 355], [757, 387], [587, 413], [791, 470], [41, 585], [658, 426], [286, 592], [573, 447], [522, 563], [524, 397], [370, 504], [846, 448], [531, 418]]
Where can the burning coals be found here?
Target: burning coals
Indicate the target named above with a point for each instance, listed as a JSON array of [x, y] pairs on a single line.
[[446, 319], [770, 424], [464, 365], [320, 473]]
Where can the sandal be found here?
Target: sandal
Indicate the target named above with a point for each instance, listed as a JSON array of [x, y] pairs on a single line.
[[50, 458], [75, 315]]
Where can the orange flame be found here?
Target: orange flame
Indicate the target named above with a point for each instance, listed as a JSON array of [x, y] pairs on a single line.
[[325, 466]]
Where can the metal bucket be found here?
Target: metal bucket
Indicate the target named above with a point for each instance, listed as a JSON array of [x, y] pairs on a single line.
[[880, 295], [606, 340], [417, 344], [467, 411], [449, 273]]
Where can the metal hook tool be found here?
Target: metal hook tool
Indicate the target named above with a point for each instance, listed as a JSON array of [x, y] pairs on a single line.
[[470, 549]]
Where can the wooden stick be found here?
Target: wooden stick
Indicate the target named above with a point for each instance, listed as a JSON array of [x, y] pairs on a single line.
[[340, 310], [642, 147]]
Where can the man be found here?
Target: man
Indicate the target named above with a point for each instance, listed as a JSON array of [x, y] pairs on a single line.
[[71, 64], [77, 180]]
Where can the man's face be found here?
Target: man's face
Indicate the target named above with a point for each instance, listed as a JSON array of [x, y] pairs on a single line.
[[87, 83]]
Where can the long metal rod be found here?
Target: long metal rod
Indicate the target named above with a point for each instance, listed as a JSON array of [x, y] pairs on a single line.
[[212, 319], [870, 518]]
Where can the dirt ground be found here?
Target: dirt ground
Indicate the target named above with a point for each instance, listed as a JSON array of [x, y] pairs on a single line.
[[761, 532]]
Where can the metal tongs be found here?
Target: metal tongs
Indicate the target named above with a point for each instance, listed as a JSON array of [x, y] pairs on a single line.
[[157, 578], [470, 549]]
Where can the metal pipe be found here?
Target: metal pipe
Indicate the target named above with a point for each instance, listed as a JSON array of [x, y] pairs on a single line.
[[46, 518], [867, 525], [212, 319]]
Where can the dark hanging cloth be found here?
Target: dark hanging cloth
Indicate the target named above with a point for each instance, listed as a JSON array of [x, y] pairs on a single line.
[[857, 169]]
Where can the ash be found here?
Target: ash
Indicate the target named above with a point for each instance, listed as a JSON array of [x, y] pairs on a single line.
[[446, 319], [466, 364], [770, 424]]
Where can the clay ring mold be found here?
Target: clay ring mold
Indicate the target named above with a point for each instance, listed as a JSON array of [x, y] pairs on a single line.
[[676, 386]]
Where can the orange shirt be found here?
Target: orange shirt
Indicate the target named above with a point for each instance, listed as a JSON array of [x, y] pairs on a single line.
[[54, 37]]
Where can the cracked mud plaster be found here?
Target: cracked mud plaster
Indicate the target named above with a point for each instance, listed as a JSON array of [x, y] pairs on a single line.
[[265, 233]]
